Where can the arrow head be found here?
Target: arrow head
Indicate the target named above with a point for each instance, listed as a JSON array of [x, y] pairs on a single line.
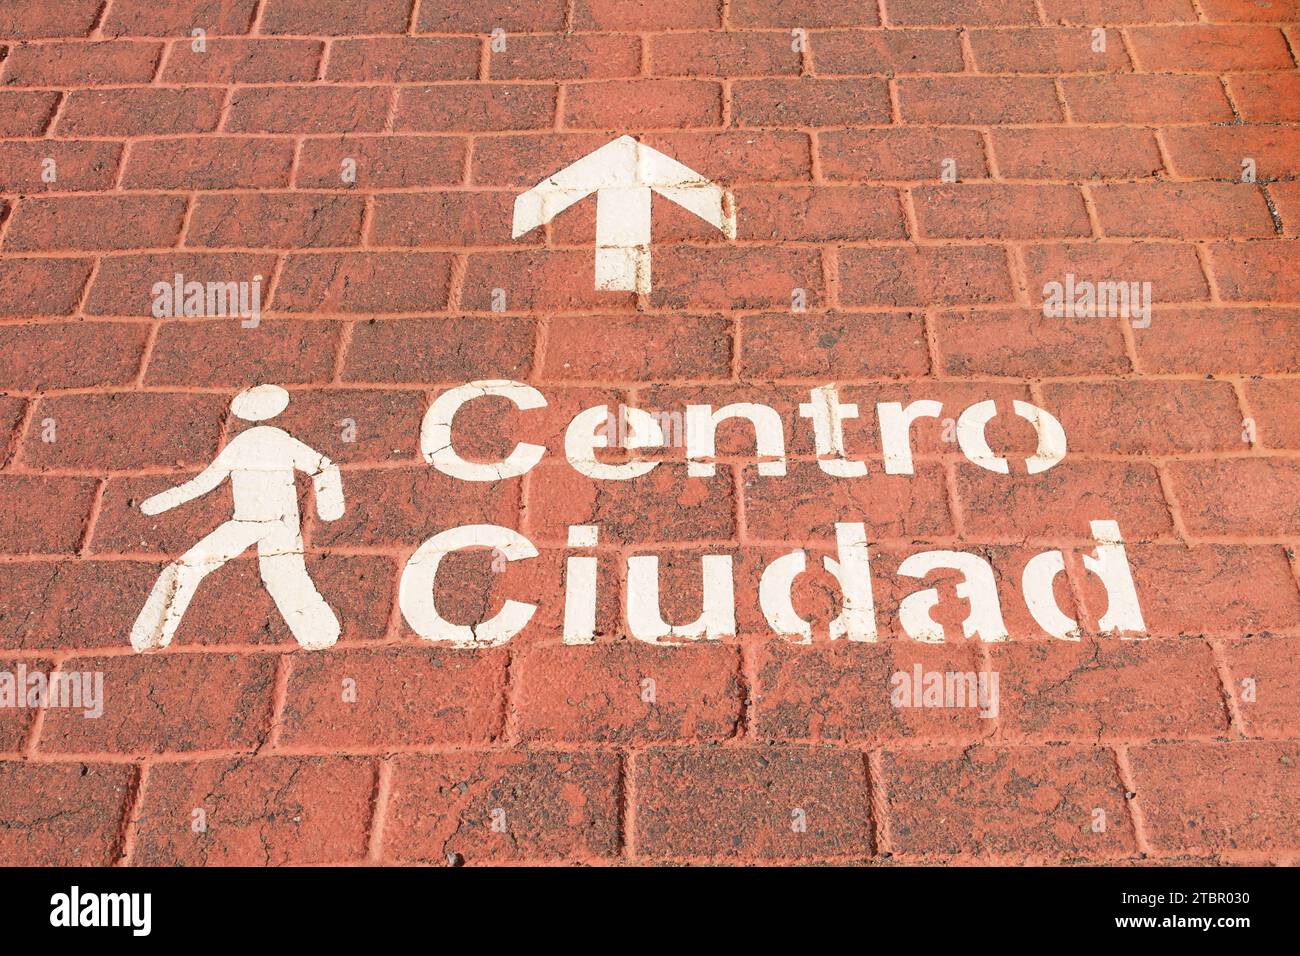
[[626, 169]]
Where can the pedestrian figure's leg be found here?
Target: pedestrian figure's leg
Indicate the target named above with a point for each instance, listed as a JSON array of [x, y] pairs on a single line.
[[284, 572], [171, 595]]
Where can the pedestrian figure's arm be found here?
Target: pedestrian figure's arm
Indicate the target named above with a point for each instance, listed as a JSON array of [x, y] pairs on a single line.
[[200, 484], [325, 480], [328, 486]]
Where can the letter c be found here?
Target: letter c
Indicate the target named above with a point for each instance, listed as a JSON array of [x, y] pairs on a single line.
[[415, 590], [435, 432]]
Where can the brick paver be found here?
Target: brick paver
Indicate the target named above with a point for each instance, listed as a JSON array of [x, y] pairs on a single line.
[[908, 177]]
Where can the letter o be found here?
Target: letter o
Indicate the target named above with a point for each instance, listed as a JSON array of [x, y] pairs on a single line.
[[975, 446]]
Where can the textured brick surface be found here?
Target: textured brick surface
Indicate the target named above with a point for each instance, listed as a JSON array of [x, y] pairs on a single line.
[[909, 179]]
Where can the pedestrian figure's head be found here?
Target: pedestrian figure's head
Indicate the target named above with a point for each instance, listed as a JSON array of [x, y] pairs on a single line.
[[259, 403]]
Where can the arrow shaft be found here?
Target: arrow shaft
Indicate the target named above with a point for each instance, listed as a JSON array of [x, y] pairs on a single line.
[[623, 238]]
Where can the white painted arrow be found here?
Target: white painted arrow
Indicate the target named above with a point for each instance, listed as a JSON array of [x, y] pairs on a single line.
[[622, 174]]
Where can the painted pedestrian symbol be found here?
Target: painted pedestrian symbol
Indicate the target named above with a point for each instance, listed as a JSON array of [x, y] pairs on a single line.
[[260, 463], [623, 174]]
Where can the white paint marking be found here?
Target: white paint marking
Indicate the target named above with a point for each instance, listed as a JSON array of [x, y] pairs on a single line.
[[978, 587], [622, 174], [975, 446], [896, 431], [580, 587], [260, 464], [589, 430], [716, 620], [435, 431], [776, 596], [1110, 563], [828, 415], [857, 617], [415, 589]]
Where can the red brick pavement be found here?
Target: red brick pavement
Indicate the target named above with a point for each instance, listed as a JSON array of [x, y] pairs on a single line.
[[128, 156]]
